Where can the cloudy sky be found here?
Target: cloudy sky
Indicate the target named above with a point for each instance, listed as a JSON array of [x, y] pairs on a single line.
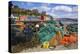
[[55, 10]]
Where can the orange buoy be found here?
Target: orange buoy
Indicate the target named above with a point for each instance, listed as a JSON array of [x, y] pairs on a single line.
[[65, 40], [72, 39]]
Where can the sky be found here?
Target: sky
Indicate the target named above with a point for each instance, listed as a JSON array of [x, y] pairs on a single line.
[[55, 10]]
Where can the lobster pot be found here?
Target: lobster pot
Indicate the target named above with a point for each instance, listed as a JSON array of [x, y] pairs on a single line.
[[46, 33]]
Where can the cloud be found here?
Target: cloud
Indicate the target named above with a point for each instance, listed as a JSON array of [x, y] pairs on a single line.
[[44, 8], [73, 15], [33, 8], [69, 15], [47, 9], [45, 4], [65, 11], [30, 4], [75, 9], [59, 11], [62, 8], [53, 15]]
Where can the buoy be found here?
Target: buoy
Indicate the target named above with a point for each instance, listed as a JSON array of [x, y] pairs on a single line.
[[53, 42], [45, 44]]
